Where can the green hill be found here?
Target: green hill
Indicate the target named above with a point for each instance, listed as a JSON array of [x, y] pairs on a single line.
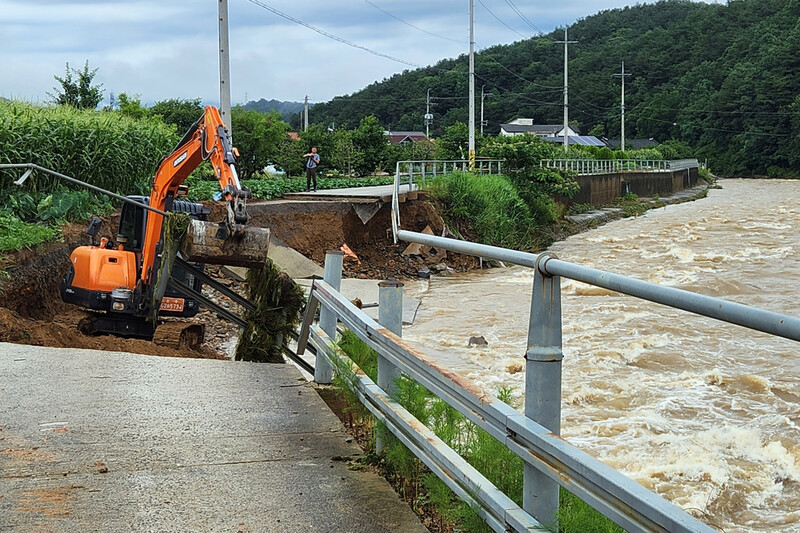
[[724, 78], [286, 109]]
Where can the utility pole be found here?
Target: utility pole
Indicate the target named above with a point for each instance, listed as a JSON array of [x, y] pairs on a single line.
[[305, 114], [224, 66], [622, 119], [566, 43], [428, 115], [471, 85], [482, 97]]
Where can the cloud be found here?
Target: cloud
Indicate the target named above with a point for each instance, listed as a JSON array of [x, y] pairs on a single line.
[[165, 49]]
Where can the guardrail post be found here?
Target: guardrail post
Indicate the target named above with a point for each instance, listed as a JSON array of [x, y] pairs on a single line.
[[543, 384], [390, 316], [323, 372], [410, 175]]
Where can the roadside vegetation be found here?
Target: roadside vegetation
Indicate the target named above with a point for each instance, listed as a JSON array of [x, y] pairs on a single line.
[[425, 492]]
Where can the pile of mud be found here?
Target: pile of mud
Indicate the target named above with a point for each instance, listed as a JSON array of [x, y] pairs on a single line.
[[31, 310]]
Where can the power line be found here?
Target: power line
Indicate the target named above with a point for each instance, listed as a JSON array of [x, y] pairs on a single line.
[[523, 17], [500, 21], [415, 27], [330, 35]]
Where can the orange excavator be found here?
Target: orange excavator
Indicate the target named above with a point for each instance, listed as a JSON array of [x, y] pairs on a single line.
[[120, 280]]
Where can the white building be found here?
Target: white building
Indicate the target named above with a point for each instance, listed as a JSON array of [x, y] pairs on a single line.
[[521, 126]]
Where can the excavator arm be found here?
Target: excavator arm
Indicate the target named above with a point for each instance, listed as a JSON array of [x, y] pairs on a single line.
[[208, 139]]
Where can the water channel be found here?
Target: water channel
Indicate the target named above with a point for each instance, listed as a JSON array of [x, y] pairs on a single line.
[[704, 413]]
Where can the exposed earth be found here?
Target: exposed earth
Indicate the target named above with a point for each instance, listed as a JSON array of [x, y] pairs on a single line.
[[31, 310]]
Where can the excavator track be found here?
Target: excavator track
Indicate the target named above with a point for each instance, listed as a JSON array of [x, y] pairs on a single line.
[[180, 334]]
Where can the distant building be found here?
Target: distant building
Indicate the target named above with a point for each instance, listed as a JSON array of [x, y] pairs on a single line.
[[399, 137], [581, 140], [294, 135], [521, 126], [631, 144]]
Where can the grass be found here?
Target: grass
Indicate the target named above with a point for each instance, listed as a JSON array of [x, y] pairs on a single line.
[[579, 209], [631, 205], [16, 234], [490, 206], [493, 459]]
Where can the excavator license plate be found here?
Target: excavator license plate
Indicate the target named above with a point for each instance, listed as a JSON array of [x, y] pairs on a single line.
[[172, 304]]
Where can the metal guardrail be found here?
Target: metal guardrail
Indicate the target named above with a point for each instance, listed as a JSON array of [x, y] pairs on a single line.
[[549, 460], [606, 166], [432, 168], [556, 461]]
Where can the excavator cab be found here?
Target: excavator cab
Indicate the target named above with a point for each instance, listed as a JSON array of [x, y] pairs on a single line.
[[132, 227]]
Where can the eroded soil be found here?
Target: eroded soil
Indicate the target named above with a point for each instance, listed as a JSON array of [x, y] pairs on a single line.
[[31, 310]]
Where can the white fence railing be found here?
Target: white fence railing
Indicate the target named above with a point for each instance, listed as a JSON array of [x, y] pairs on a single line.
[[608, 166], [430, 169]]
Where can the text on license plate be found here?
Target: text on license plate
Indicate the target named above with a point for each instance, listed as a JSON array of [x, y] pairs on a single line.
[[172, 304]]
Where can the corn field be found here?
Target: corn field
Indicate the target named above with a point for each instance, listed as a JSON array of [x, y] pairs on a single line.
[[103, 148]]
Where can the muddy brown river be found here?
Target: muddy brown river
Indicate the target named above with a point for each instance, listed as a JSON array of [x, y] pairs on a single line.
[[704, 413]]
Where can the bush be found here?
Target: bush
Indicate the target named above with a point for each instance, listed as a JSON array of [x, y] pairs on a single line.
[[16, 234], [489, 205]]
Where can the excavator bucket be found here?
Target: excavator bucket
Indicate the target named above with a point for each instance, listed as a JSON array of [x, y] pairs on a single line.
[[210, 243]]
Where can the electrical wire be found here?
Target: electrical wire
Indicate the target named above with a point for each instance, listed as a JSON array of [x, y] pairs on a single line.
[[332, 36], [523, 17], [500, 21], [415, 27]]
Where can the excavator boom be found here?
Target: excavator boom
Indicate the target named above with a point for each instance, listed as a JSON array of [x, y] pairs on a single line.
[[208, 139]]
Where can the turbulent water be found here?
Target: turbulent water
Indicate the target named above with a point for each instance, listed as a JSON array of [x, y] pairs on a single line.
[[704, 413]]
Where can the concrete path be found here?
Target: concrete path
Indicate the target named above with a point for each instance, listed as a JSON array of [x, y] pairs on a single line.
[[106, 441]]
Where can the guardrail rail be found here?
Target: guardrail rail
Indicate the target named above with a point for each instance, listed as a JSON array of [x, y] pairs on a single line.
[[608, 166]]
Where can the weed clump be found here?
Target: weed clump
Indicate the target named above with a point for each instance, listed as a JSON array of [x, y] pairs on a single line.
[[278, 304], [423, 489]]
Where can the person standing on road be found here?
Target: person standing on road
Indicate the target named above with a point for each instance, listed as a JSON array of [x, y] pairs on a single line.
[[312, 160]]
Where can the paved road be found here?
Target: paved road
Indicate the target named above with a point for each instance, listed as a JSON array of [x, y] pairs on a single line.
[[106, 441]]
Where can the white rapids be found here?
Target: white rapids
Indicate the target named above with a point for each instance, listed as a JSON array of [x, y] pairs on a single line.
[[704, 413]]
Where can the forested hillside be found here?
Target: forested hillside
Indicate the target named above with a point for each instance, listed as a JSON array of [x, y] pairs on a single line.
[[286, 109], [724, 78]]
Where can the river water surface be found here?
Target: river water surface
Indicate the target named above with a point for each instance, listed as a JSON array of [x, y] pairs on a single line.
[[704, 413]]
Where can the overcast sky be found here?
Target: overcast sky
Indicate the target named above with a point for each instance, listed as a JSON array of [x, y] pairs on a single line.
[[169, 48]]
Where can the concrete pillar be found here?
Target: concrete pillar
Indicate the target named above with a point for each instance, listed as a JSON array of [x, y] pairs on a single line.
[[543, 385], [323, 373], [390, 316]]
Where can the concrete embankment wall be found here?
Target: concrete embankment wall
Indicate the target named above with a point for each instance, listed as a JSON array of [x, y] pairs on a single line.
[[603, 189]]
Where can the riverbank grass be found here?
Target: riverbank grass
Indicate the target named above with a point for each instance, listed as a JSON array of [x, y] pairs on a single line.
[[427, 494]]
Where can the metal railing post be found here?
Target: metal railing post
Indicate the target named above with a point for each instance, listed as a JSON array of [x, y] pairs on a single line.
[[390, 316], [543, 384], [410, 174], [323, 372]]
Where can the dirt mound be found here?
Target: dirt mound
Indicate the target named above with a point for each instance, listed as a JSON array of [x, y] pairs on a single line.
[[63, 333], [314, 228], [31, 310]]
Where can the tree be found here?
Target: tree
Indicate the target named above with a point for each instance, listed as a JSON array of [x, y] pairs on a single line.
[[76, 88], [131, 106], [454, 143], [258, 137], [346, 155], [370, 139], [182, 113]]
